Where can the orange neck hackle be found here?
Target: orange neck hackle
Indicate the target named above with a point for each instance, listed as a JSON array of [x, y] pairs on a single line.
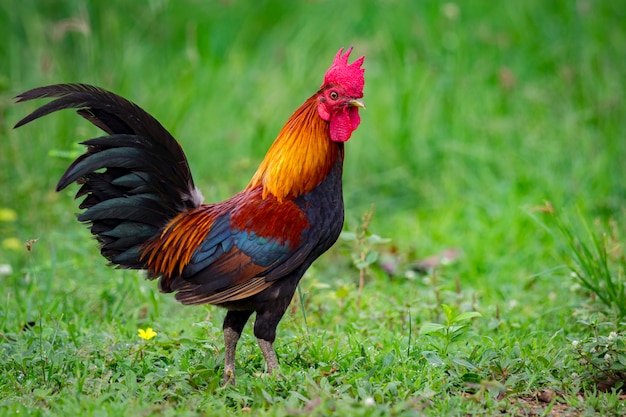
[[300, 158]]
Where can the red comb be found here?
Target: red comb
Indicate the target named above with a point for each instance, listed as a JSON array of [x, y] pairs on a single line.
[[349, 76]]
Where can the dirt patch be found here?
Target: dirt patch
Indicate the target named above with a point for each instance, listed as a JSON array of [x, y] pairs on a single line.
[[549, 403]]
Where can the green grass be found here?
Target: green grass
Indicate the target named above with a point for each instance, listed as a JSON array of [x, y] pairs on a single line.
[[477, 114]]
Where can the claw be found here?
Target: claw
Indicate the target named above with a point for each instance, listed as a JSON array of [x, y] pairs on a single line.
[[229, 378]]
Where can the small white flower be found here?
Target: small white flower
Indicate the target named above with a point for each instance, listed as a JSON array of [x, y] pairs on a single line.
[[608, 357], [450, 10], [575, 343], [574, 375], [5, 269], [593, 350], [612, 335], [369, 402]]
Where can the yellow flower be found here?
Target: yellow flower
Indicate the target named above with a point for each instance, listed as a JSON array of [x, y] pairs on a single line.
[[7, 215], [147, 334], [12, 243]]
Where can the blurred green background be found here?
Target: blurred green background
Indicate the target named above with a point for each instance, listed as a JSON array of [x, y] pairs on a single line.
[[477, 110]]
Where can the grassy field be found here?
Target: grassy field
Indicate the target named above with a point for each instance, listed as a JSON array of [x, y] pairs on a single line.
[[483, 118]]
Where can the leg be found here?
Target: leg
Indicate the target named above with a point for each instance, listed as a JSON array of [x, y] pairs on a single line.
[[265, 332], [234, 323], [270, 355]]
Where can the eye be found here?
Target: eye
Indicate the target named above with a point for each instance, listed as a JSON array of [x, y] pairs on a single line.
[[334, 95]]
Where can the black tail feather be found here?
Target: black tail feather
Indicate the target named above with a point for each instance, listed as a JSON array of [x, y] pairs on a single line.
[[133, 181]]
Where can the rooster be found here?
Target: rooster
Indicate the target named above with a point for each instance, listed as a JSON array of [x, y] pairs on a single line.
[[245, 254]]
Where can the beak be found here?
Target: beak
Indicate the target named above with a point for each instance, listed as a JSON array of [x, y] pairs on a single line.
[[357, 103]]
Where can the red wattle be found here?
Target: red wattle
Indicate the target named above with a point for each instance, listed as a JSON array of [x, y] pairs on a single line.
[[343, 123]]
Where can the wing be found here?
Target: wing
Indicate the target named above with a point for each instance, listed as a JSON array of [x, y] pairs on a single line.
[[231, 250]]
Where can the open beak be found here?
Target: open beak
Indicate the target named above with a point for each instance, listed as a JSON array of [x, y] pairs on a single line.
[[357, 103]]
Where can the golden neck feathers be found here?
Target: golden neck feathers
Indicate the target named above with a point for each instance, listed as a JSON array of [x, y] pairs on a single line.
[[301, 156]]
